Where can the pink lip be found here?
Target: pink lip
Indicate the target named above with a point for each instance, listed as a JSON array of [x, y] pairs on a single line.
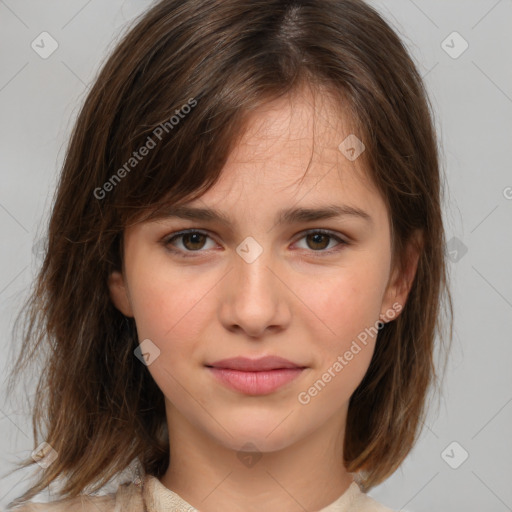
[[255, 376], [256, 383]]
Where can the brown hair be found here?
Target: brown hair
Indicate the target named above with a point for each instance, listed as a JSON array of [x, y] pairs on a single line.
[[99, 406]]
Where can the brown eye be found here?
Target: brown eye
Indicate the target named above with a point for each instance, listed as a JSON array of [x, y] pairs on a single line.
[[319, 241], [191, 241]]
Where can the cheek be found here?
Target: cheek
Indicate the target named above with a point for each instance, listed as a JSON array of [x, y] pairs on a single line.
[[344, 304], [168, 307], [170, 310], [343, 331]]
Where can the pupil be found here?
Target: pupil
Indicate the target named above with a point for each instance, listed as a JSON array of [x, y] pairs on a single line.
[[193, 237], [316, 237]]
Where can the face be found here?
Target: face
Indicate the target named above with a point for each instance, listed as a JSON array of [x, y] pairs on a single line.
[[309, 291]]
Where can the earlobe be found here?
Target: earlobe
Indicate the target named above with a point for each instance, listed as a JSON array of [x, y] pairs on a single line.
[[119, 293]]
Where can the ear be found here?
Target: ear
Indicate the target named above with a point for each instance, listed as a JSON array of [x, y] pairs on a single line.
[[119, 293], [400, 283]]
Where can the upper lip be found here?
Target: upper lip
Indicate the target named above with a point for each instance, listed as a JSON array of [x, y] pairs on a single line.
[[254, 365]]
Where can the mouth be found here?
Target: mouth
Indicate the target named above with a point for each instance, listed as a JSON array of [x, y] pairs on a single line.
[[255, 376], [255, 365]]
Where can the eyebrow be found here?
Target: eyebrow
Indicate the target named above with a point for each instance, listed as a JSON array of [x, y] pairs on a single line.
[[284, 216]]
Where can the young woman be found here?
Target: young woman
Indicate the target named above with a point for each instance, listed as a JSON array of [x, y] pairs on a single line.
[[245, 270]]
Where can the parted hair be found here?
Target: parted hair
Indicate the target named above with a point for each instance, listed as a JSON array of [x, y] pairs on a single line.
[[181, 82]]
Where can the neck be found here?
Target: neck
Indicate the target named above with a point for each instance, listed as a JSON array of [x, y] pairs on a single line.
[[213, 477]]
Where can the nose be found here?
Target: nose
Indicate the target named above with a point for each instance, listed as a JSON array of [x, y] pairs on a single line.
[[255, 296]]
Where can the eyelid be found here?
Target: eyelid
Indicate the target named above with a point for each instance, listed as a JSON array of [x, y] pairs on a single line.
[[333, 234], [341, 239], [166, 240]]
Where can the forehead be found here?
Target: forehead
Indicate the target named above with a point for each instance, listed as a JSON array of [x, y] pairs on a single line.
[[289, 155]]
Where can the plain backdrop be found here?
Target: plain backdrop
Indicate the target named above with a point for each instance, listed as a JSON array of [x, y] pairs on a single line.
[[462, 461]]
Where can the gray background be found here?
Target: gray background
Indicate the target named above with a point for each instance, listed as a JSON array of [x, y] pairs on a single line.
[[472, 97]]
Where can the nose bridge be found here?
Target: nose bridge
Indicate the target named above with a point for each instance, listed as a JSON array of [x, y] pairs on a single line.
[[255, 295], [252, 267]]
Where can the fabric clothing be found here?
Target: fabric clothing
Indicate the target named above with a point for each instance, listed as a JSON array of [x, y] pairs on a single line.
[[150, 495]]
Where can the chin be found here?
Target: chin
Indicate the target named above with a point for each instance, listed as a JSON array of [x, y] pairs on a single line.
[[267, 435]]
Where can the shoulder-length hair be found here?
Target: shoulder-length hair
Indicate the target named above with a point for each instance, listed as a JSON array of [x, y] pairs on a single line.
[[181, 83]]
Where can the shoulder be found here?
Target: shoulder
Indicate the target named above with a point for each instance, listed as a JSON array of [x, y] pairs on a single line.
[[127, 498], [365, 503], [80, 503], [355, 500]]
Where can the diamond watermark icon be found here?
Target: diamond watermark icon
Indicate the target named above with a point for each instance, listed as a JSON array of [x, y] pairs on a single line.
[[454, 455], [249, 250], [39, 249], [147, 352], [44, 455], [249, 455], [352, 147], [44, 45], [455, 249], [454, 45]]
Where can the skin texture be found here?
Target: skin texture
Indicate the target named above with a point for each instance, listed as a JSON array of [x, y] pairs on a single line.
[[300, 299]]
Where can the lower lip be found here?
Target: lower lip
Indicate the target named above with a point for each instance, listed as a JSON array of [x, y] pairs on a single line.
[[256, 383]]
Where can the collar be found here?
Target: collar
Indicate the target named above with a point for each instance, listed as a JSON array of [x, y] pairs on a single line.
[[158, 498]]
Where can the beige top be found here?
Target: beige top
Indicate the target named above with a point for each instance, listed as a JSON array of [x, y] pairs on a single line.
[[152, 496]]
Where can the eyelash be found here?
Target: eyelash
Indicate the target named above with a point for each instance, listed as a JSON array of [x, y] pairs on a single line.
[[167, 242]]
